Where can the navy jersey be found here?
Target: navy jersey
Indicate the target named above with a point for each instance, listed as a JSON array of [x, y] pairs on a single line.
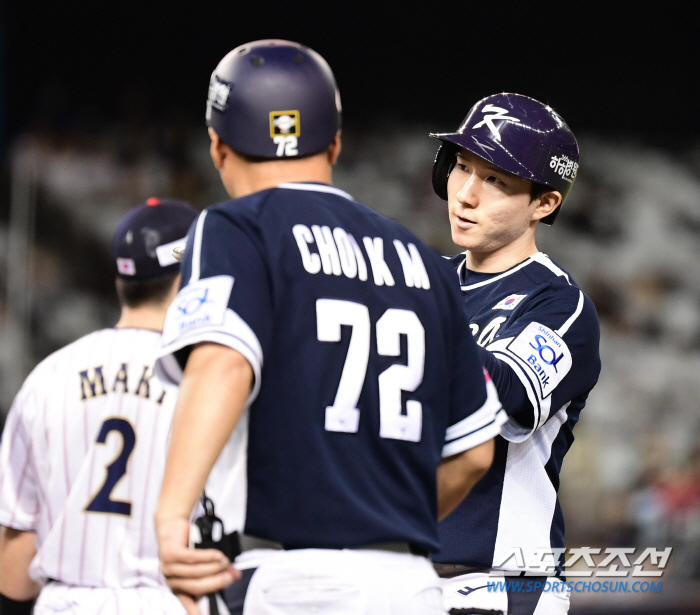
[[543, 333], [366, 374]]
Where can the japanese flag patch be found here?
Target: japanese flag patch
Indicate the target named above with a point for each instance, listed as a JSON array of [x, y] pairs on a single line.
[[126, 266], [545, 354], [509, 303]]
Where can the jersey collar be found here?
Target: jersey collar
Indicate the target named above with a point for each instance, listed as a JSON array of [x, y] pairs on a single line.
[[316, 188], [462, 270]]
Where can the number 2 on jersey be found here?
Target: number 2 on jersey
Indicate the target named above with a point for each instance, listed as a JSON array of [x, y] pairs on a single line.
[[102, 502], [344, 415]]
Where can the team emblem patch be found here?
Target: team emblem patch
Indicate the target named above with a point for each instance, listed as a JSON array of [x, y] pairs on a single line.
[[545, 353], [200, 304], [509, 303], [284, 123], [218, 95], [491, 114]]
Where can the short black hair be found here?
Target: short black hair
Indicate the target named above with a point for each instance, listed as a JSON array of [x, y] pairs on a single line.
[[135, 293], [537, 190]]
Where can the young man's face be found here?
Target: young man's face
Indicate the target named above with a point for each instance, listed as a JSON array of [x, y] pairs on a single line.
[[489, 208]]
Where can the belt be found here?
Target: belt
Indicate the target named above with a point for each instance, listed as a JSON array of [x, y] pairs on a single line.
[[448, 571], [252, 542]]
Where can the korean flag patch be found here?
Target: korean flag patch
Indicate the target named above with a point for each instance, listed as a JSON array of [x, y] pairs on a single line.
[[509, 303]]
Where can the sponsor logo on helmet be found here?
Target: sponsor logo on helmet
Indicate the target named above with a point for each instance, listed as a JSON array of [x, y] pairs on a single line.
[[495, 113], [284, 123], [564, 167], [218, 95]]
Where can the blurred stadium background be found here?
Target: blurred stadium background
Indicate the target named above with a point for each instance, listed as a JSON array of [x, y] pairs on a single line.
[[79, 148]]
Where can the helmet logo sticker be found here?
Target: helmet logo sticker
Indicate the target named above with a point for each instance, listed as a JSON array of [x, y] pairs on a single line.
[[218, 95], [284, 123], [497, 113], [564, 167]]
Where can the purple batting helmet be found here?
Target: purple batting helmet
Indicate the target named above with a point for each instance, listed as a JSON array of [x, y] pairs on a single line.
[[274, 99], [517, 134]]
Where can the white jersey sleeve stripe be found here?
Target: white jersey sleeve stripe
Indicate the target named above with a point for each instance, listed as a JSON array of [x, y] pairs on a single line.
[[579, 308], [478, 427], [512, 430], [168, 369], [479, 436], [234, 333], [527, 381], [500, 351], [478, 419], [197, 247]]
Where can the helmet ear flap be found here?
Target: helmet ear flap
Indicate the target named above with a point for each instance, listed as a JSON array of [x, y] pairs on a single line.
[[549, 220], [442, 167]]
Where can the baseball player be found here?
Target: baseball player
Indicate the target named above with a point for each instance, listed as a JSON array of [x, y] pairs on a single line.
[[341, 337], [509, 166], [84, 445]]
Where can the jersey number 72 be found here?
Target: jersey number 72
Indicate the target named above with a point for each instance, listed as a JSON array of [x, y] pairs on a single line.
[[344, 415]]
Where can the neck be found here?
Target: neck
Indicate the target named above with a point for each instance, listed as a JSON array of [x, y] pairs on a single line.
[[247, 178], [502, 259], [148, 316]]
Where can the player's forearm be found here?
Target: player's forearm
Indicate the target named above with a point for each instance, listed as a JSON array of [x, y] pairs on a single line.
[[213, 392], [17, 550], [457, 475]]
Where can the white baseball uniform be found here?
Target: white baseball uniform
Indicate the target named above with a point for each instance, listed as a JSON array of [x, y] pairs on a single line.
[[81, 462]]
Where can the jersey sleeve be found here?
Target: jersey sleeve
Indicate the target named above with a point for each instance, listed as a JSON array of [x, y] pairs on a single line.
[[552, 350], [475, 414], [225, 296], [19, 496]]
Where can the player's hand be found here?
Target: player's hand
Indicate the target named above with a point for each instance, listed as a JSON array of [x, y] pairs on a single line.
[[191, 573]]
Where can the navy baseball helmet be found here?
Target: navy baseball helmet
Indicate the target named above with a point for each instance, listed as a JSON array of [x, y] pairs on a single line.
[[517, 134], [145, 238], [274, 99]]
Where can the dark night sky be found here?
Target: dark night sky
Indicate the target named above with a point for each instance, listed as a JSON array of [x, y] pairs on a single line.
[[606, 70]]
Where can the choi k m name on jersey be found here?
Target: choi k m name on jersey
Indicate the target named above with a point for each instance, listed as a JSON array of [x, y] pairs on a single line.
[[337, 252]]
